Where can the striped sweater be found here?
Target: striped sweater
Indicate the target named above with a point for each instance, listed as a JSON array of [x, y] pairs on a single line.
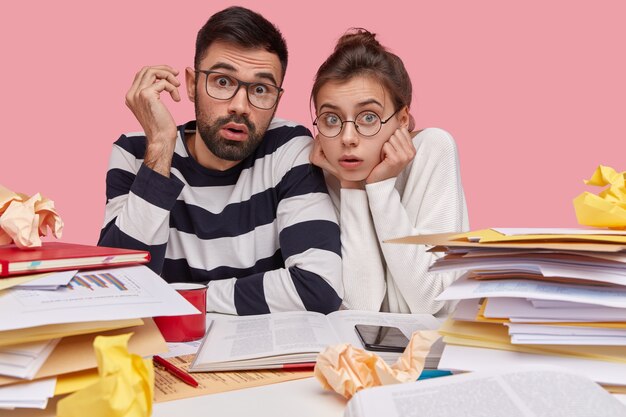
[[263, 234]]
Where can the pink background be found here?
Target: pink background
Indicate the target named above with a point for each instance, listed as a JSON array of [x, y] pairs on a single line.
[[534, 92]]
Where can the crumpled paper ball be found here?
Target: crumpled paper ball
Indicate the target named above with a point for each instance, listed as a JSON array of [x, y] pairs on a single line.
[[347, 370], [23, 219], [608, 208], [125, 386]]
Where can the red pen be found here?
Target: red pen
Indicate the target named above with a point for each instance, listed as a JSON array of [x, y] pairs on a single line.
[[176, 371]]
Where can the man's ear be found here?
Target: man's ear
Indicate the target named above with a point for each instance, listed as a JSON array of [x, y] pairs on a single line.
[[280, 95], [190, 81]]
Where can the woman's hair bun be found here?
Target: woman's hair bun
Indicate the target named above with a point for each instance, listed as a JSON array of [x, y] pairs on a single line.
[[357, 36]]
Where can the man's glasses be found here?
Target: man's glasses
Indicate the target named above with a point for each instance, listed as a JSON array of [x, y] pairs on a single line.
[[224, 87], [367, 123]]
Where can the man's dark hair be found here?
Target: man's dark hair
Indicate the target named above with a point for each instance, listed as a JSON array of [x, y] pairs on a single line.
[[242, 27]]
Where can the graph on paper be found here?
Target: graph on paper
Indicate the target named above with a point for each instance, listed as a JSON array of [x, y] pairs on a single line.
[[97, 281], [89, 288]]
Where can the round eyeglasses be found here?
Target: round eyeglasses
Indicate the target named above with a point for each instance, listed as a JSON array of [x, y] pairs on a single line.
[[224, 87], [366, 123]]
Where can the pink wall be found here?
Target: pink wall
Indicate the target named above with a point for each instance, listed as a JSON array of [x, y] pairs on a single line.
[[534, 91]]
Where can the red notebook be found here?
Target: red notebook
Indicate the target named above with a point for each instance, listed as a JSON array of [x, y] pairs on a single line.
[[58, 256]]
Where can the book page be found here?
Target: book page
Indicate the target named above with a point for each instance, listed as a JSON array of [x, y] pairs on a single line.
[[245, 337], [527, 393]]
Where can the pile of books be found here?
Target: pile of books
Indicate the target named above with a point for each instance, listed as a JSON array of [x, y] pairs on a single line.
[[52, 306], [535, 297]]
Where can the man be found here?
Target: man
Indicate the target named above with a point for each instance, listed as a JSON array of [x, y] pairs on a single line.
[[229, 199]]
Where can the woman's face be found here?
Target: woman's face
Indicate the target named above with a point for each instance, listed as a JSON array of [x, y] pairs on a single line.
[[352, 155]]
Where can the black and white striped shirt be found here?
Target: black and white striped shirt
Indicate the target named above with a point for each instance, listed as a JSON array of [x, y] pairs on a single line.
[[263, 234]]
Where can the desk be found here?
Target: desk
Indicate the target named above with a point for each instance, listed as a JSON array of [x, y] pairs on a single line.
[[302, 398]]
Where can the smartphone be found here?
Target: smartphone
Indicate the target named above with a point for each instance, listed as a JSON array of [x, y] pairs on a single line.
[[381, 338]]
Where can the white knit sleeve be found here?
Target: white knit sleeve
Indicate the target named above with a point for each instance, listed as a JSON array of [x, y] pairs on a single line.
[[432, 202], [363, 273]]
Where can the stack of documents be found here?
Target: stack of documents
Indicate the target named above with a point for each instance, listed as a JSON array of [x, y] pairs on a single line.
[[536, 296], [48, 327]]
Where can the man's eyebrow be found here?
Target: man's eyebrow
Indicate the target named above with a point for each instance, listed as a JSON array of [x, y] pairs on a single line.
[[268, 76], [222, 65]]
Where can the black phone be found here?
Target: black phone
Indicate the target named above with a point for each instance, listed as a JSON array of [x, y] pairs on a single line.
[[381, 338]]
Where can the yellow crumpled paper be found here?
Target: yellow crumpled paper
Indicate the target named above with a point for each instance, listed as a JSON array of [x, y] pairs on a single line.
[[347, 370], [125, 387], [23, 219], [608, 208]]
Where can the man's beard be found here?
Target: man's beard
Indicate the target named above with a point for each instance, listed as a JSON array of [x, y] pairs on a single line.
[[228, 150]]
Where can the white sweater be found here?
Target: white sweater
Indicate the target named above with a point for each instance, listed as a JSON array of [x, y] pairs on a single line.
[[427, 197]]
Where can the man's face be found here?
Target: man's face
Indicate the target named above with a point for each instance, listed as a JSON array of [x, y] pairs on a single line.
[[232, 129]]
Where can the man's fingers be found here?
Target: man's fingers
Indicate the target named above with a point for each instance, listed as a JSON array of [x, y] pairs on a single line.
[[135, 97], [158, 87], [170, 88], [160, 68], [149, 75], [153, 75]]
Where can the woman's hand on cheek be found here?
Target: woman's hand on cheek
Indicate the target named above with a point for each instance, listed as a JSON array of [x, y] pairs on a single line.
[[318, 158], [396, 154]]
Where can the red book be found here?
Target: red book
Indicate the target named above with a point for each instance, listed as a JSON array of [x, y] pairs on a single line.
[[58, 256]]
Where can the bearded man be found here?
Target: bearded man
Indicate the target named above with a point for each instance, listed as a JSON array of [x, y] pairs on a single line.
[[229, 199]]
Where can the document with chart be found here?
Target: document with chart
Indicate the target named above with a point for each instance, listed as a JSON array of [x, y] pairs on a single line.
[[107, 294]]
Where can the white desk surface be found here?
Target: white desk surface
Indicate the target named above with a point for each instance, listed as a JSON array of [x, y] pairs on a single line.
[[302, 398]]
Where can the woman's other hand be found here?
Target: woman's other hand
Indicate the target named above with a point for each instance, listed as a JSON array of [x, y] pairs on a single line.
[[396, 154]]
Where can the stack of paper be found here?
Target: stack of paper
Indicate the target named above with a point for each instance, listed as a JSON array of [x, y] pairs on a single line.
[[48, 334], [536, 296]]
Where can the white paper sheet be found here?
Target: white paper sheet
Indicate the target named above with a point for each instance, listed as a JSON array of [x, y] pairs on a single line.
[[463, 358], [29, 395], [524, 339], [593, 272], [516, 231], [467, 310], [24, 360], [107, 294], [538, 329], [558, 304], [49, 282], [520, 309], [183, 348], [465, 288]]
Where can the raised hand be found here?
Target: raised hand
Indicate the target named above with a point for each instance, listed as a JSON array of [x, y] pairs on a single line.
[[396, 154], [144, 100]]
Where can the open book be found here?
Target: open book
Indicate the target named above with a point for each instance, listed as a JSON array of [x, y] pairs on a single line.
[[528, 392], [277, 340]]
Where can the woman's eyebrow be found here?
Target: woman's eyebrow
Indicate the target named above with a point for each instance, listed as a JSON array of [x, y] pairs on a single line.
[[368, 102], [329, 107]]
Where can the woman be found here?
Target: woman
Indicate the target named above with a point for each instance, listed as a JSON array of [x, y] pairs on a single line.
[[385, 181]]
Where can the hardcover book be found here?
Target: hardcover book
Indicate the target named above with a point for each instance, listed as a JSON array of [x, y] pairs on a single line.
[[58, 256]]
